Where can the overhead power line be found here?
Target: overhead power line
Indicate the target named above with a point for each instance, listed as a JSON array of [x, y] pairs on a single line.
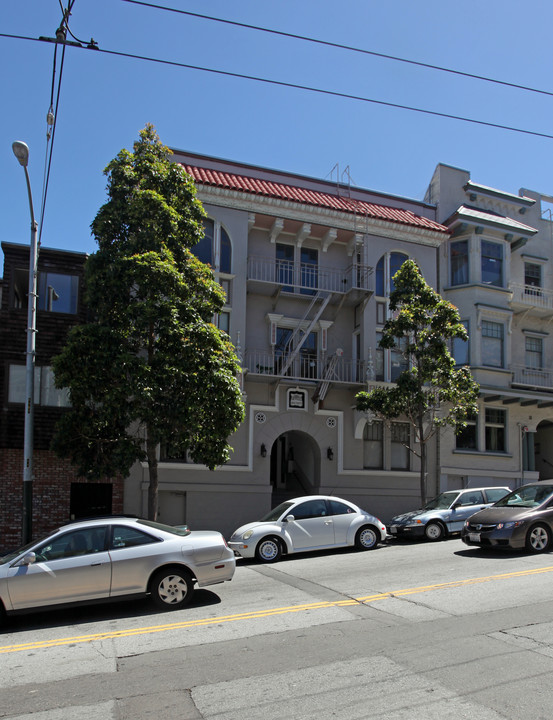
[[296, 86], [340, 46]]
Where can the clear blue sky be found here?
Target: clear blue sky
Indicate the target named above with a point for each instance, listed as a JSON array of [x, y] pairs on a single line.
[[105, 100]]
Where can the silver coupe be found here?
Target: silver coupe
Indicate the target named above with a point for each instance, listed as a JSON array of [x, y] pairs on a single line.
[[109, 558]]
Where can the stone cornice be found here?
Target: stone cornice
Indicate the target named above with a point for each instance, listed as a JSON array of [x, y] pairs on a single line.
[[319, 216]]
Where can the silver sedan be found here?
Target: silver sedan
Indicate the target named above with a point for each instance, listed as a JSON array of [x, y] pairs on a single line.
[[314, 522], [113, 558]]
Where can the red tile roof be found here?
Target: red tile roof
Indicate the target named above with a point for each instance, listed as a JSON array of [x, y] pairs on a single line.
[[292, 193]]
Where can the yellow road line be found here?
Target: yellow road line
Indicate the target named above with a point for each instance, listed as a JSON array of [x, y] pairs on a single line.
[[256, 614]]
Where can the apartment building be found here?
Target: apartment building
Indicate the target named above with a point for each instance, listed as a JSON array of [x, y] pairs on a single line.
[[496, 267], [58, 494], [307, 266]]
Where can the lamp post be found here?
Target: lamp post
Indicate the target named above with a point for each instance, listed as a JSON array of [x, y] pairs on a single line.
[[21, 152]]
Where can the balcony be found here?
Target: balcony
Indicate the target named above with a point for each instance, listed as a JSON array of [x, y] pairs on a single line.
[[531, 298], [263, 364], [532, 377], [266, 276]]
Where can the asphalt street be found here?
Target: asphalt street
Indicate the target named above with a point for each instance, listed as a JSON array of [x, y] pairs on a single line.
[[422, 630]]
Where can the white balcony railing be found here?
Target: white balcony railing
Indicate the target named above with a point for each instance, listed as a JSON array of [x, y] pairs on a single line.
[[308, 277], [532, 296], [305, 366], [533, 377]]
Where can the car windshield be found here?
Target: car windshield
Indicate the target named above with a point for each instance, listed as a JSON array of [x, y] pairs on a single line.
[[275, 513], [442, 501], [528, 497], [181, 530]]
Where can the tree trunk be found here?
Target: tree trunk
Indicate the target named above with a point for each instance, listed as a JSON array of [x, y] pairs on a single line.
[[151, 446], [151, 452], [423, 465]]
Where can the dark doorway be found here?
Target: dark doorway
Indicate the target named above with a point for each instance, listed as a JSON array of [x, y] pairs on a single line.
[[295, 466], [90, 500]]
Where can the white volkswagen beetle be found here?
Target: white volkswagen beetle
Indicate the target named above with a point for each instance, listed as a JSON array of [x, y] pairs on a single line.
[[315, 522]]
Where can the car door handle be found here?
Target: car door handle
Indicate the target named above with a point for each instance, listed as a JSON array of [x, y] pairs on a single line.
[[328, 522], [96, 564]]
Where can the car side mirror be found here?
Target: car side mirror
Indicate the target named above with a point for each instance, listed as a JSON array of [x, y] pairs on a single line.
[[455, 505], [289, 518], [27, 559]]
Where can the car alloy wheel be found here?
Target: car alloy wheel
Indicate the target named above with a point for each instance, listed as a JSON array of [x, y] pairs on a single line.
[[366, 538], [171, 589], [268, 550], [538, 539]]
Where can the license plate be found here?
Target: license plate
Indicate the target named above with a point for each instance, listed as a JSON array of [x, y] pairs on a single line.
[[474, 537], [393, 529]]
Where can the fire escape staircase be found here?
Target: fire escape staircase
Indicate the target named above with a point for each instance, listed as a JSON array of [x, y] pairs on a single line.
[[299, 336], [322, 387]]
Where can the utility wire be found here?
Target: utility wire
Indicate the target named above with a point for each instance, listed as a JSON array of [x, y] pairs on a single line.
[[51, 141], [322, 91], [307, 88], [52, 115], [50, 118], [350, 48]]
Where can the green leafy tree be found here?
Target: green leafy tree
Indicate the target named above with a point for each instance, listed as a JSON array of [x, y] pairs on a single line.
[[431, 392], [149, 368]]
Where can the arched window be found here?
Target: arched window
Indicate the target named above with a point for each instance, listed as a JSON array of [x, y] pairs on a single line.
[[396, 261], [380, 277], [386, 268], [215, 248], [225, 262], [204, 249]]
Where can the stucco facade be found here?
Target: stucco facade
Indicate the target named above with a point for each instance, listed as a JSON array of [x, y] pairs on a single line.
[[496, 268], [307, 267]]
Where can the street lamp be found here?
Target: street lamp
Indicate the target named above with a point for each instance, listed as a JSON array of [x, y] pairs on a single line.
[[21, 152]]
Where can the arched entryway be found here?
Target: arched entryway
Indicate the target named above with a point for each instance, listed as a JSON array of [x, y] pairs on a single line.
[[295, 466], [543, 449]]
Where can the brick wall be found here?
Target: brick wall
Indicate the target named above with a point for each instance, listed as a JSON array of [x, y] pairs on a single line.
[[51, 494]]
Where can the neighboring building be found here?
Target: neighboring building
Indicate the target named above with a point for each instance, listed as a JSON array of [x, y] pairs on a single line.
[[58, 494], [497, 269], [306, 265]]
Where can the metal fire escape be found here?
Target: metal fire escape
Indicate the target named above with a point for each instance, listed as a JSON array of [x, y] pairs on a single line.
[[322, 387], [300, 335]]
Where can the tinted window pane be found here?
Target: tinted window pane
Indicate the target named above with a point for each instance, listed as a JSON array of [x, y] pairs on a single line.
[[57, 293], [338, 508], [396, 261], [285, 266], [72, 544], [459, 256], [204, 249], [472, 498], [495, 495], [226, 252], [492, 263], [466, 437], [124, 537], [309, 270], [309, 509], [379, 289]]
